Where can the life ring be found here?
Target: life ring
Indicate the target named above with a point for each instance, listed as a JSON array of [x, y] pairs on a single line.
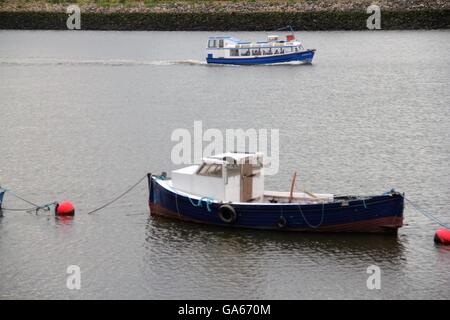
[[282, 222], [227, 214]]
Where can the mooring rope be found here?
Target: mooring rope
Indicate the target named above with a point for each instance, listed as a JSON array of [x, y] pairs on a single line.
[[176, 205], [35, 207], [427, 214], [208, 201], [17, 209], [46, 207], [119, 196], [321, 219], [20, 198]]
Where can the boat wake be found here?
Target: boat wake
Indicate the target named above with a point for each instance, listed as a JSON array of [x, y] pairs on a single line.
[[120, 62], [98, 62]]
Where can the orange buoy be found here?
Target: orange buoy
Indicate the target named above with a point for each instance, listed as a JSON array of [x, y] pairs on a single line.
[[442, 236], [65, 208]]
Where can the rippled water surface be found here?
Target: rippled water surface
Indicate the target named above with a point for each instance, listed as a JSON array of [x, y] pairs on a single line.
[[85, 114]]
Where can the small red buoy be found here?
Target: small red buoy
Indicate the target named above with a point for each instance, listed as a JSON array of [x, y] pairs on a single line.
[[442, 236], [65, 208]]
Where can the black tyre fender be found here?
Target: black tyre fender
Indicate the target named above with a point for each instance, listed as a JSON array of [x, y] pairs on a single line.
[[282, 222], [227, 214]]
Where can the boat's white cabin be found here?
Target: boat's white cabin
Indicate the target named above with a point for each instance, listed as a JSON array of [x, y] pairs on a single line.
[[235, 177], [228, 47]]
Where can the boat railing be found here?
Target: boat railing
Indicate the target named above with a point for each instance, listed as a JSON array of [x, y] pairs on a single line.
[[262, 45]]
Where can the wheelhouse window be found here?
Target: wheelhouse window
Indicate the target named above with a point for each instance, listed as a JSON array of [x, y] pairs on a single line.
[[212, 170], [221, 43], [212, 43]]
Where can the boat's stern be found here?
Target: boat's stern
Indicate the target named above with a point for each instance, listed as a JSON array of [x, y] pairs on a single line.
[[391, 211], [397, 210], [2, 193]]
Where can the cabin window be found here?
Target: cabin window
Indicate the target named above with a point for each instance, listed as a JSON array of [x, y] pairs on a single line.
[[212, 43], [221, 43], [244, 52], [212, 170], [234, 52]]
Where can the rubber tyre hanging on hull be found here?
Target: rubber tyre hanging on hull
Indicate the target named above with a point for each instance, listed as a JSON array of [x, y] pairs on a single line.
[[282, 222], [227, 214]]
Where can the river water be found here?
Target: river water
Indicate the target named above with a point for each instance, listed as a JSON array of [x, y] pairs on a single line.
[[85, 114]]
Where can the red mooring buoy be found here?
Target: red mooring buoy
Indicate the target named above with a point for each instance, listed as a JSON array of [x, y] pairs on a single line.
[[442, 236], [65, 208]]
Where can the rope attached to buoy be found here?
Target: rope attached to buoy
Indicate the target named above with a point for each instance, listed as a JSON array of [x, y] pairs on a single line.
[[36, 207], [15, 195], [119, 196], [48, 206], [427, 214]]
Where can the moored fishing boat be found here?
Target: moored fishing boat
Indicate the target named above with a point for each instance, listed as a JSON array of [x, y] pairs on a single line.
[[228, 190], [228, 50]]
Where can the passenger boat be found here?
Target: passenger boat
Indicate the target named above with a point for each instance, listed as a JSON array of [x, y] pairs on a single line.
[[228, 190], [228, 50]]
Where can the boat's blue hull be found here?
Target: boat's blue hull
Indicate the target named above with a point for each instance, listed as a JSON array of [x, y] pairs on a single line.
[[304, 56], [382, 213], [2, 193]]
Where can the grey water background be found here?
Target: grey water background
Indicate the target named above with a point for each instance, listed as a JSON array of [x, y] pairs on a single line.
[[84, 115]]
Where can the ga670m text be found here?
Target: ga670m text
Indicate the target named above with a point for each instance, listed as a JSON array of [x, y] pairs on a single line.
[[227, 309]]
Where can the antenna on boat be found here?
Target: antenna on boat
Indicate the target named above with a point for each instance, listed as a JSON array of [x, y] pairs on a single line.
[[289, 27], [291, 36]]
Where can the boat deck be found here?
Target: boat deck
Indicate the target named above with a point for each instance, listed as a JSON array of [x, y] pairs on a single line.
[[274, 196]]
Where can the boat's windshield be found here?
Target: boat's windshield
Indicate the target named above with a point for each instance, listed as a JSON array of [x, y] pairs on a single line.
[[214, 170]]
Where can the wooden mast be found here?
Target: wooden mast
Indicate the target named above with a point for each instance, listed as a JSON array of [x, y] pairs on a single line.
[[292, 187]]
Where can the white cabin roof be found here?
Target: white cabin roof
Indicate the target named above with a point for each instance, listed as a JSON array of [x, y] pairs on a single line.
[[188, 170], [220, 159], [236, 156]]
